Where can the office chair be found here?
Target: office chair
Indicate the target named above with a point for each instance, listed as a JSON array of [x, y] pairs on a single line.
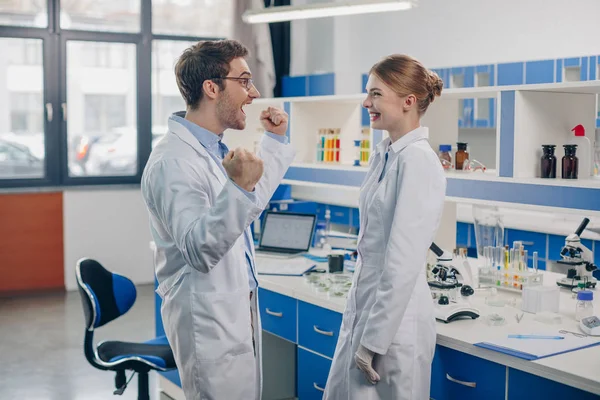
[[105, 297]]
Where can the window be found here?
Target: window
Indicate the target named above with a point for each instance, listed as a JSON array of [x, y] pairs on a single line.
[[105, 15], [102, 104], [210, 18], [104, 112], [26, 112], [32, 13], [166, 98]]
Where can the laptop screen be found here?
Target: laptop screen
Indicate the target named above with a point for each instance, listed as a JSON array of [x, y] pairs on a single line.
[[288, 231]]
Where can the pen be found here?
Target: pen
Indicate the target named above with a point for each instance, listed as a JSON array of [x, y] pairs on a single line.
[[535, 337]]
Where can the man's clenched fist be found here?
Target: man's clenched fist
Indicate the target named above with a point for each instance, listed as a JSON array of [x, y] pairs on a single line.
[[274, 120], [244, 168]]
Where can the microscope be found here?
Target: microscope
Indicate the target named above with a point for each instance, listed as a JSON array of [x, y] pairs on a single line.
[[579, 259], [448, 288]]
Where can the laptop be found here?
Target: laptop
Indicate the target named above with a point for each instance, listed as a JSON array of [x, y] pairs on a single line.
[[286, 234]]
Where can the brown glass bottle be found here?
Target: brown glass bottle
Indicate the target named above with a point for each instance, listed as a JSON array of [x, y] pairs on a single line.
[[548, 161], [461, 155], [570, 162]]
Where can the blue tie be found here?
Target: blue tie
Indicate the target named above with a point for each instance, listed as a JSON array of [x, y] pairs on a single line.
[[383, 170], [223, 148]]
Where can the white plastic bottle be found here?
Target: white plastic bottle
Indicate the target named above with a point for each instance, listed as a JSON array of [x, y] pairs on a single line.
[[584, 151]]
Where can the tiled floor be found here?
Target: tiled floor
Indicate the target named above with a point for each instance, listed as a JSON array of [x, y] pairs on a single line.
[[41, 348]]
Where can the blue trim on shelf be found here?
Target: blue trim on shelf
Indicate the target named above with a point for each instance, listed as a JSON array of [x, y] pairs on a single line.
[[539, 72], [321, 84], [327, 176], [524, 193], [593, 68], [572, 62], [510, 73], [559, 71], [294, 86], [584, 68], [507, 133]]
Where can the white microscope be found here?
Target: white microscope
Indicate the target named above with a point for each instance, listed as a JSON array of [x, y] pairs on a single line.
[[579, 259], [448, 288]]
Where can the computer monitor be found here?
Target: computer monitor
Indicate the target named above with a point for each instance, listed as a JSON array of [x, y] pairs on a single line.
[[287, 232]]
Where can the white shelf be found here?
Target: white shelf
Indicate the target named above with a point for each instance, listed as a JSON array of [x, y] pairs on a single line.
[[490, 175]]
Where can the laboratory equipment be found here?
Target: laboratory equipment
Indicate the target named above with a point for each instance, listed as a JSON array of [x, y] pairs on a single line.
[[584, 307], [335, 263], [321, 145], [536, 299], [507, 269], [447, 290], [584, 149], [548, 161], [570, 163], [590, 326], [579, 259], [494, 319], [365, 146], [489, 227], [596, 171], [576, 334], [473, 165], [461, 155], [445, 156]]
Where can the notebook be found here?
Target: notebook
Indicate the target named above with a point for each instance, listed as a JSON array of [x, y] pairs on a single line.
[[291, 267], [534, 349]]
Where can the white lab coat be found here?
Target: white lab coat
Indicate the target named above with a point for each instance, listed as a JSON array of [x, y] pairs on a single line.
[[197, 218], [389, 308]]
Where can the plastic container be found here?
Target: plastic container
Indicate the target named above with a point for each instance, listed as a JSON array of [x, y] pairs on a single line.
[[461, 155], [570, 162], [585, 305], [585, 151], [548, 161], [320, 235], [445, 155]]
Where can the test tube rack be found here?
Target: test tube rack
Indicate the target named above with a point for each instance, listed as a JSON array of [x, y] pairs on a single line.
[[507, 269]]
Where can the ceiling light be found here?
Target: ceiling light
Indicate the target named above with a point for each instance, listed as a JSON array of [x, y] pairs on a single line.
[[321, 10]]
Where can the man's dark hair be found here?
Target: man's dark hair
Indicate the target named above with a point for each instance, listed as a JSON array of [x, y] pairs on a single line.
[[202, 61]]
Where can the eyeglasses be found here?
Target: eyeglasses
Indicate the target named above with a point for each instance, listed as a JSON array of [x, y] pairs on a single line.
[[246, 82]]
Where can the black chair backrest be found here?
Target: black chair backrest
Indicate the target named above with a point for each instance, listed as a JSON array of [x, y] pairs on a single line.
[[105, 295]]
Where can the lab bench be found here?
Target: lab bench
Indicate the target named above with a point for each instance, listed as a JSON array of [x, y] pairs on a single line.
[[295, 313]]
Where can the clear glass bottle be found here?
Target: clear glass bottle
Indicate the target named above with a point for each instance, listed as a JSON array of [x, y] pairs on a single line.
[[570, 163], [548, 161], [585, 304], [461, 155], [445, 155]]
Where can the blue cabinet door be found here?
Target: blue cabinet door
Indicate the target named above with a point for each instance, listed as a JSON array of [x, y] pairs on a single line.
[[524, 386], [278, 314], [457, 375], [313, 371]]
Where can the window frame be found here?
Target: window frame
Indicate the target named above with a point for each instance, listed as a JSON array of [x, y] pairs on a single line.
[[54, 58]]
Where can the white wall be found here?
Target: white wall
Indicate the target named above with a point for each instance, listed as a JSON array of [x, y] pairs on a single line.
[[110, 226], [459, 32]]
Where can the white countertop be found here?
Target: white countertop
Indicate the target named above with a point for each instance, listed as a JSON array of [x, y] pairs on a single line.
[[579, 369]]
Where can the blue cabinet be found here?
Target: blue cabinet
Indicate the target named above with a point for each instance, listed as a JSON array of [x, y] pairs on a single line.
[[294, 86], [278, 314], [524, 386], [318, 328], [313, 370], [457, 375]]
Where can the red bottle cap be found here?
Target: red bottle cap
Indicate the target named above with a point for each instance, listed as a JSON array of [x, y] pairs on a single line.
[[579, 130]]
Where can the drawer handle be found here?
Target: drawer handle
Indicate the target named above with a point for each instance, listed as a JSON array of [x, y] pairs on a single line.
[[319, 388], [527, 243], [322, 332], [468, 384], [275, 314]]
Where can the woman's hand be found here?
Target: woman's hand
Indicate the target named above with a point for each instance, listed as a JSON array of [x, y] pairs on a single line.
[[364, 362]]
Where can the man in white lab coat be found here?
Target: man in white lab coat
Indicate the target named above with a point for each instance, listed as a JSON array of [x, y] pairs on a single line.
[[201, 198]]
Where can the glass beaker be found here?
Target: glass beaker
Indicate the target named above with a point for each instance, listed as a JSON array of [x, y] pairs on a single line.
[[489, 227]]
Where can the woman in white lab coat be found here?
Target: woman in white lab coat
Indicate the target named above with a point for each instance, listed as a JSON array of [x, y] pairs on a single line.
[[387, 338]]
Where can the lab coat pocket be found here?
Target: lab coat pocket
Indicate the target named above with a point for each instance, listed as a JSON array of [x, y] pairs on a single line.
[[222, 326]]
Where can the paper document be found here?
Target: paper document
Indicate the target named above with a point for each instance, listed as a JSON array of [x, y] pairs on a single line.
[[292, 266], [533, 349]]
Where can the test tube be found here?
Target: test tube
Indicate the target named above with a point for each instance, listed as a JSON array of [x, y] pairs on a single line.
[[535, 261], [525, 256]]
